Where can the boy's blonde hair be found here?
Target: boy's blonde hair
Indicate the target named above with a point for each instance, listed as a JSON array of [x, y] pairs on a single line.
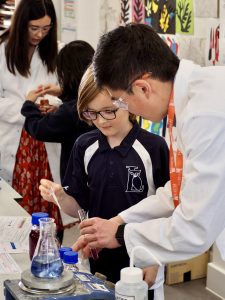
[[88, 90]]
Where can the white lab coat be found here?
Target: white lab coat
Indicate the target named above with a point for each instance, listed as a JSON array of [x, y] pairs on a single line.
[[189, 230], [13, 91]]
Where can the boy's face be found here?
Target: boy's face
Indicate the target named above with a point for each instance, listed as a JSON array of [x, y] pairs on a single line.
[[103, 104]]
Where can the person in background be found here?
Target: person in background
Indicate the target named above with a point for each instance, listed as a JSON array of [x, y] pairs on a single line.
[[28, 52], [62, 126], [110, 169], [185, 217]]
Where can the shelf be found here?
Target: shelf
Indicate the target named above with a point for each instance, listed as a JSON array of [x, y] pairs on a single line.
[[6, 12], [10, 7]]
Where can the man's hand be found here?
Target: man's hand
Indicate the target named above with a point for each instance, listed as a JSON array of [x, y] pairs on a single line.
[[82, 245], [97, 233], [150, 274]]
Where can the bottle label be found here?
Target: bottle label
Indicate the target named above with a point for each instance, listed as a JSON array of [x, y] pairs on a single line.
[[124, 297]]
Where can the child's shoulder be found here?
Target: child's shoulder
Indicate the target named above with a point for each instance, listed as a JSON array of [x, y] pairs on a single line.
[[88, 138]]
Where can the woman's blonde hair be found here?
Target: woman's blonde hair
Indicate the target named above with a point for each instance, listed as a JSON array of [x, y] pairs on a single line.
[[88, 90]]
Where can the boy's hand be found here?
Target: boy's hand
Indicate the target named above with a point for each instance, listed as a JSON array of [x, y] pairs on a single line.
[[45, 188]]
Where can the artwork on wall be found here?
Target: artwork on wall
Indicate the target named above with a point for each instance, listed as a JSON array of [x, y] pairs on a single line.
[[212, 43], [165, 16], [68, 21], [138, 11], [161, 15], [125, 12], [184, 17], [222, 33]]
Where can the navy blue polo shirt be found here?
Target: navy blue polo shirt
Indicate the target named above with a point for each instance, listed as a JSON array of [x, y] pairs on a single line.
[[105, 181]]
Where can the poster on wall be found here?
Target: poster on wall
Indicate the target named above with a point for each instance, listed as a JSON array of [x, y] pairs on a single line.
[[184, 17], [138, 11], [68, 21], [165, 16], [212, 53], [125, 16], [222, 33]]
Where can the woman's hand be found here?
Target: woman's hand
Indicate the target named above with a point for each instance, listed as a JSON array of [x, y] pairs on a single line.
[[34, 94], [52, 89]]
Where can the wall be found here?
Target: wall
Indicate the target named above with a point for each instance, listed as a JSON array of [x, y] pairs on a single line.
[[95, 17]]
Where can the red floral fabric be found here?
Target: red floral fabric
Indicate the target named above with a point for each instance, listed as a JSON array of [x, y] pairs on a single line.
[[31, 165]]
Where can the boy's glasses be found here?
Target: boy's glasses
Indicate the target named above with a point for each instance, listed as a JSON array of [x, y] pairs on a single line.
[[107, 114], [37, 29]]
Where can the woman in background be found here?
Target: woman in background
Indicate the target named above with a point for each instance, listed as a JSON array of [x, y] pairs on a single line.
[[28, 52]]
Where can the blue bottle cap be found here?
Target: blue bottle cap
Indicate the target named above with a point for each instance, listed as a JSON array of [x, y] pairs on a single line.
[[70, 257], [36, 216], [62, 250]]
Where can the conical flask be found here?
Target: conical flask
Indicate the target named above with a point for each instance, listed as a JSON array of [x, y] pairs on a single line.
[[46, 262]]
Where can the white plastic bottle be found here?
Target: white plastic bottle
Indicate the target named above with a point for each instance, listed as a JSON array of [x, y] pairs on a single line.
[[131, 285]]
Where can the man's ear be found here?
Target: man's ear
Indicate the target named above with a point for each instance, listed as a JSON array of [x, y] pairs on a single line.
[[143, 86]]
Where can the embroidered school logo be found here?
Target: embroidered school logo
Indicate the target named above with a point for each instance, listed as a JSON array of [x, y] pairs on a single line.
[[134, 182]]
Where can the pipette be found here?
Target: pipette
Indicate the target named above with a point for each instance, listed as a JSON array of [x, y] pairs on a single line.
[[83, 215]]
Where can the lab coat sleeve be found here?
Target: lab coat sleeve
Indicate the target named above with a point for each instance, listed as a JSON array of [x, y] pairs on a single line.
[[10, 106], [199, 219]]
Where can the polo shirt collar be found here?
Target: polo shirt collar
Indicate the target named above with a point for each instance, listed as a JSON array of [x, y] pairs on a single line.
[[126, 144]]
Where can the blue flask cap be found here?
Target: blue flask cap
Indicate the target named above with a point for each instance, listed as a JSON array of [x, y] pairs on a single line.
[[38, 215], [62, 250], [70, 257]]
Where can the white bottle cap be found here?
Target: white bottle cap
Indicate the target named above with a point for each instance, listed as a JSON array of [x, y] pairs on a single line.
[[131, 275]]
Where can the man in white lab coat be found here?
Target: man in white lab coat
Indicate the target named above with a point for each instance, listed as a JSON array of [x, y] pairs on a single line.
[[142, 74]]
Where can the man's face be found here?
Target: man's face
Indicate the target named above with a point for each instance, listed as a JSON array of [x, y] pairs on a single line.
[[140, 102]]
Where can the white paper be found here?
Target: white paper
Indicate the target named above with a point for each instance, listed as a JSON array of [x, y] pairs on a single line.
[[8, 264], [14, 234]]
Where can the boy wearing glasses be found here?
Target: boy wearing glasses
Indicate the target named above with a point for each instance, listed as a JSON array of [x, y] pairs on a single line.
[[110, 169]]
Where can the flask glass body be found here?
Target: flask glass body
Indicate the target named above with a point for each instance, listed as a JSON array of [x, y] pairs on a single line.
[[46, 262]]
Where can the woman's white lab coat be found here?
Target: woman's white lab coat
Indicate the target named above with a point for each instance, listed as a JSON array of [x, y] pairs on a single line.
[[13, 91]]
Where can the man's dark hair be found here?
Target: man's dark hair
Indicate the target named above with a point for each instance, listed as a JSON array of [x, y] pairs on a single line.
[[129, 51], [72, 61], [16, 37]]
